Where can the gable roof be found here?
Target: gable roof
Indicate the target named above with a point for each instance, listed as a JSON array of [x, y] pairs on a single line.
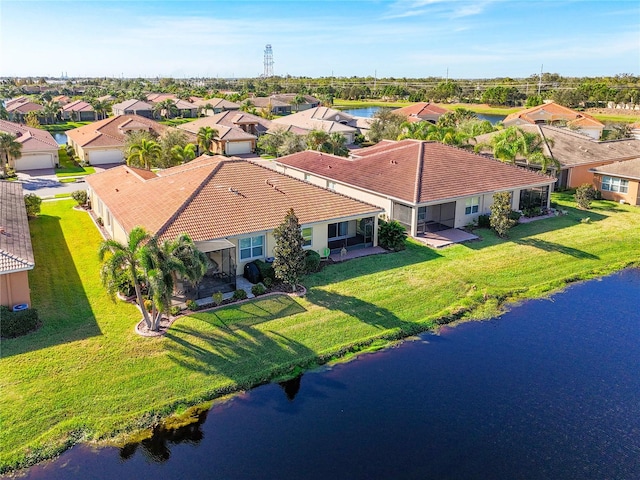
[[78, 106], [111, 132], [216, 103], [417, 171], [573, 148], [229, 119], [288, 98], [420, 109], [215, 197], [22, 105], [318, 118], [626, 169], [551, 112], [132, 104], [16, 252], [32, 139]]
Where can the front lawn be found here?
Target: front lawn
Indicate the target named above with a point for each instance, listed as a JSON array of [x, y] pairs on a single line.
[[85, 375], [68, 168]]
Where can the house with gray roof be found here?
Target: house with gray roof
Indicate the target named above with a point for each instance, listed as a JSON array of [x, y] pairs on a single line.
[[133, 107]]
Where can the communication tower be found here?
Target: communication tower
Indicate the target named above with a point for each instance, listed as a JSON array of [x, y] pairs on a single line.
[[268, 61]]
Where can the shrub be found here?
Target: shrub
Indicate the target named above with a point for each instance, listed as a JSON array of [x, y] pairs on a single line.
[[267, 282], [516, 215], [266, 269], [99, 221], [148, 305], [175, 310], [258, 289], [484, 221], [192, 305], [391, 235], [16, 324], [584, 195], [239, 294], [217, 298], [311, 261], [124, 284], [500, 219], [80, 196], [32, 202]]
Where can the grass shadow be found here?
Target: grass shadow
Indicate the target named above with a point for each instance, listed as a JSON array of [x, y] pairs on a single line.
[[556, 247], [57, 292]]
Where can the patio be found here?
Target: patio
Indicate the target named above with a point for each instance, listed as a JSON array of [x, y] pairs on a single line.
[[444, 238]]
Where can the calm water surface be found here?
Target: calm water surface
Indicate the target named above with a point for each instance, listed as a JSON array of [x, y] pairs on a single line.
[[59, 137], [368, 112], [549, 390]]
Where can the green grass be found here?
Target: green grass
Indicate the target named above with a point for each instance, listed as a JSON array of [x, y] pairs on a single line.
[[63, 126], [68, 168], [86, 376], [173, 122], [62, 195]]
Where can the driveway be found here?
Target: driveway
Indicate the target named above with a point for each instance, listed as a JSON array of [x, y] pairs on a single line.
[[44, 183]]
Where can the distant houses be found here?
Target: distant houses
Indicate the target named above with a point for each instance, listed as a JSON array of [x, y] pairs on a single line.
[[133, 107]]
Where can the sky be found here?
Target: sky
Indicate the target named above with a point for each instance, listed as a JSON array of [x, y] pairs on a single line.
[[341, 38]]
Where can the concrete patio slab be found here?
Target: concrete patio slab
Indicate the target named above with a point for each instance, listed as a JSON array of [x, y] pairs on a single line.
[[361, 252], [446, 237]]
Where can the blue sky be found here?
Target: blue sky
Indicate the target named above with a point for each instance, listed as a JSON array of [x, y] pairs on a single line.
[[404, 38]]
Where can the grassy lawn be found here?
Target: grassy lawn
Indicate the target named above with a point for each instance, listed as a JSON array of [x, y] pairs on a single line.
[[63, 126], [68, 168], [173, 122], [86, 376]]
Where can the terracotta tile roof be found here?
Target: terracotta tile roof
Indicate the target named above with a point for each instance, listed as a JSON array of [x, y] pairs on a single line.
[[78, 106], [184, 105], [22, 105], [626, 169], [552, 112], [417, 172], [216, 197], [225, 121], [263, 102], [16, 252], [111, 131], [572, 148], [160, 97], [32, 139], [420, 109], [216, 103], [132, 104]]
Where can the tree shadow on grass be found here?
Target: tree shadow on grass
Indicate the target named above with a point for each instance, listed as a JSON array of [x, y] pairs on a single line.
[[57, 292], [556, 247]]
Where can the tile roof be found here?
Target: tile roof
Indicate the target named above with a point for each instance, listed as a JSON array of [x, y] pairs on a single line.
[[22, 105], [78, 106], [572, 148], [263, 102], [417, 171], [626, 169], [32, 139], [319, 118], [160, 97], [230, 119], [111, 132], [16, 252], [552, 112], [420, 109], [215, 197], [216, 103], [288, 98], [132, 104]]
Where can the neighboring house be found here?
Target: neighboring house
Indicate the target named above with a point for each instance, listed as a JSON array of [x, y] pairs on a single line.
[[80, 111], [274, 106], [619, 181], [553, 114], [308, 102], [186, 109], [421, 111], [160, 97], [213, 106], [426, 186], [229, 141], [18, 108], [133, 107], [576, 153], [16, 253], [247, 122], [106, 98], [320, 118], [229, 207], [102, 142], [61, 100], [39, 149]]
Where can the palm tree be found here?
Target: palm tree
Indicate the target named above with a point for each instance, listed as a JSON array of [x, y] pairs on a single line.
[[119, 258], [205, 137], [316, 139], [184, 154], [4, 115], [50, 111], [101, 108], [144, 153], [162, 263], [336, 145], [166, 108], [10, 149], [298, 100]]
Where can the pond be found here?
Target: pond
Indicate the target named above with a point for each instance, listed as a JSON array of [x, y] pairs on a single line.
[[59, 137], [369, 112], [549, 390]]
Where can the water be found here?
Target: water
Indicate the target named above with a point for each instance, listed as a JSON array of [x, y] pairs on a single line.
[[368, 112], [59, 137], [549, 390]]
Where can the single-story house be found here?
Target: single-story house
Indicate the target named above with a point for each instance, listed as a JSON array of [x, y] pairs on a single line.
[[426, 186], [307, 103], [577, 153], [133, 107], [421, 111], [16, 252], [61, 100], [102, 142], [18, 108], [619, 181], [186, 109], [229, 207], [229, 141], [246, 122], [213, 106], [321, 118], [79, 110], [553, 114], [39, 149], [275, 106], [160, 97]]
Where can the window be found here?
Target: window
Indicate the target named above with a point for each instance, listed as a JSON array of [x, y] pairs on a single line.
[[612, 184], [338, 230], [331, 185], [251, 247], [307, 234], [471, 205]]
